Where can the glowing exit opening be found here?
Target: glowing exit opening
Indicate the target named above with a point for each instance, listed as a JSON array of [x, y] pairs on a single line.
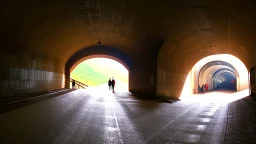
[[94, 73], [219, 65]]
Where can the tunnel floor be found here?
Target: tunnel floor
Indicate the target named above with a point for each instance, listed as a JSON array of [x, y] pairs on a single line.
[[104, 117]]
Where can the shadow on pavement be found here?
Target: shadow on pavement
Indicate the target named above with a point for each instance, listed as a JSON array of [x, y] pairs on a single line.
[[29, 99]]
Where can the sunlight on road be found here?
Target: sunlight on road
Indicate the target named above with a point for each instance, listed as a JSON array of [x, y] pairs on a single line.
[[105, 89], [217, 97]]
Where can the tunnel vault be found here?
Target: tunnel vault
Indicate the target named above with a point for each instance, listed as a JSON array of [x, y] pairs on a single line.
[[215, 63]]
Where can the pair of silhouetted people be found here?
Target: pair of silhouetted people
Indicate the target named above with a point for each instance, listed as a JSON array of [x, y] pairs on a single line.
[[111, 84], [204, 87]]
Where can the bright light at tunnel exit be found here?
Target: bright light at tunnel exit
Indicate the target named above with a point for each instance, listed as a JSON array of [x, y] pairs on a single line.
[[188, 91], [95, 73]]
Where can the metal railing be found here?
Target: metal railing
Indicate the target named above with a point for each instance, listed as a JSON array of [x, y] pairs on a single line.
[[78, 84]]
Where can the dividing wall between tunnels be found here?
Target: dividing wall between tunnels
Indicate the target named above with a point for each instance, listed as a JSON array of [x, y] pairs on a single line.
[[142, 77], [165, 79]]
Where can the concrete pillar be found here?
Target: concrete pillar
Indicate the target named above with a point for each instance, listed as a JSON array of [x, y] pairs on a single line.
[[142, 83]]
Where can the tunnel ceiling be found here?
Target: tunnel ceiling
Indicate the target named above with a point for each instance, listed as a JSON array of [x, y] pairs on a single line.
[[216, 66], [226, 70], [59, 28]]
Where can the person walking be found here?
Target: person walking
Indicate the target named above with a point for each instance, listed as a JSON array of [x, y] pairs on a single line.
[[113, 82], [202, 88], [109, 83], [73, 84]]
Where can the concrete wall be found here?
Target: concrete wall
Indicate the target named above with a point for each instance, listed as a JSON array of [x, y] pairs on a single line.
[[170, 83], [142, 78], [28, 72], [15, 81]]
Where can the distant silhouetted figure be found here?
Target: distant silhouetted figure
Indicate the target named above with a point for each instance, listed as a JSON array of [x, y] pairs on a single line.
[[113, 82], [199, 89], [109, 83], [73, 84], [202, 88]]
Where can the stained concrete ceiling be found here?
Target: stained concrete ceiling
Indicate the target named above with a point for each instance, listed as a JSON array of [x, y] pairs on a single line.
[[185, 30]]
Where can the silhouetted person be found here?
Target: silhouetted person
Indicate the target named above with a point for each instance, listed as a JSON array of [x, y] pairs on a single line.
[[202, 89], [113, 82], [199, 89], [73, 84], [109, 83]]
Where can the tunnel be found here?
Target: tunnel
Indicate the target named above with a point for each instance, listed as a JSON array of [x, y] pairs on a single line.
[[218, 75], [219, 72], [43, 40], [171, 48], [225, 80]]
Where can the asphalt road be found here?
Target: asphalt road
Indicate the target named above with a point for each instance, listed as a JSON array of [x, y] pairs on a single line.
[[88, 117]]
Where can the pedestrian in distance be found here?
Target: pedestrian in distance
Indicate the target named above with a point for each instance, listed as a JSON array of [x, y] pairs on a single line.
[[110, 83], [202, 88], [113, 82], [73, 84]]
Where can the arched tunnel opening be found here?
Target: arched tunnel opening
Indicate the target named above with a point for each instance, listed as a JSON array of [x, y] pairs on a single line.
[[224, 81], [94, 73], [92, 68], [222, 73], [217, 75]]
